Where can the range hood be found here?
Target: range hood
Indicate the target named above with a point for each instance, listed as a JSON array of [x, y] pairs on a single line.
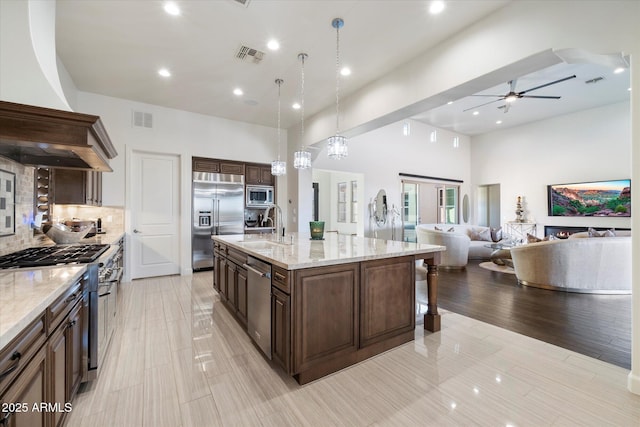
[[40, 136]]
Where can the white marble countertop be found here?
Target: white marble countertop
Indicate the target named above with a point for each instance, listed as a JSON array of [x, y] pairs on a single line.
[[299, 251], [26, 293], [108, 238]]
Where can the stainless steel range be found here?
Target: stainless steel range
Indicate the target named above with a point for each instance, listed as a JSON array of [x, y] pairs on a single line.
[[101, 264]]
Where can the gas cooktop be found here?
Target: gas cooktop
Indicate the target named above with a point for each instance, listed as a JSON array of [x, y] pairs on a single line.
[[53, 255]]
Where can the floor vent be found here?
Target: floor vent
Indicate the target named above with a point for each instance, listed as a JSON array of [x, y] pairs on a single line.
[[142, 120], [246, 53]]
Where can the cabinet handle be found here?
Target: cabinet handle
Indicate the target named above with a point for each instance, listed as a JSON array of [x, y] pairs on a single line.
[[72, 323], [15, 356], [279, 276], [70, 298], [5, 420]]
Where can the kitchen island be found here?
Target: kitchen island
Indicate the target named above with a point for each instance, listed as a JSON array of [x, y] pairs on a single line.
[[334, 302]]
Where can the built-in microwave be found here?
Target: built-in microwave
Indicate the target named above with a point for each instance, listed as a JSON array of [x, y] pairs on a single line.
[[259, 195]]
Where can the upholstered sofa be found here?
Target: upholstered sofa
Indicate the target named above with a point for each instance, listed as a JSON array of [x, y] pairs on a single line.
[[460, 246], [577, 264]]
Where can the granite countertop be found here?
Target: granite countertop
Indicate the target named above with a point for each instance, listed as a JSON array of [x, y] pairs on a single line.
[[299, 251], [26, 293]]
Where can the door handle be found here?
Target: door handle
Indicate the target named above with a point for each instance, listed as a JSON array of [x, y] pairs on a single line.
[[136, 231]]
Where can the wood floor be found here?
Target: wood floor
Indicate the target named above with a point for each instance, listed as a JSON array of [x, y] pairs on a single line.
[[178, 359], [598, 326]]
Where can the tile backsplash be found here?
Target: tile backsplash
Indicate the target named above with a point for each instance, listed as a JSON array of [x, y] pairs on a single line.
[[25, 236]]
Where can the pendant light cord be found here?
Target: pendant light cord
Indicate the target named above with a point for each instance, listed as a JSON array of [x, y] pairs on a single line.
[[279, 81], [338, 79], [302, 145]]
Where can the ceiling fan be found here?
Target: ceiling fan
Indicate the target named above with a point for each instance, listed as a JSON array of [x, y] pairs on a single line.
[[512, 95]]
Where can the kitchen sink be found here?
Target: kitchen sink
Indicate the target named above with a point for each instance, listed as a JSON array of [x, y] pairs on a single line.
[[262, 244]]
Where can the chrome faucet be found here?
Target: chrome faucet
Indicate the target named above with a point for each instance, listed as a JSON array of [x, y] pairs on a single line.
[[279, 226]]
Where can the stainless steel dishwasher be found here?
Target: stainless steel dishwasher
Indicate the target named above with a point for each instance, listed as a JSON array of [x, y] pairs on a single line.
[[259, 303]]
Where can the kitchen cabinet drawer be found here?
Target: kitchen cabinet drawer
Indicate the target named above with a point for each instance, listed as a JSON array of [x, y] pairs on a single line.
[[236, 256], [57, 311], [280, 279], [15, 356]]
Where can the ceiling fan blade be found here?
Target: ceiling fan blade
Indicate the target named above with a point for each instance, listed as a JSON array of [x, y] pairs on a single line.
[[506, 107], [540, 97], [547, 84], [486, 103], [495, 96]]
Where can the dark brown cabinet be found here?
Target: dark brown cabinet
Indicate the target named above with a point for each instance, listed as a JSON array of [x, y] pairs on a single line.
[[258, 174], [75, 187], [280, 329], [230, 280], [29, 389], [42, 366], [203, 164]]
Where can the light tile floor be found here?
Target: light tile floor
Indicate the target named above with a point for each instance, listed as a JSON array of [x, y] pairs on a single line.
[[179, 359]]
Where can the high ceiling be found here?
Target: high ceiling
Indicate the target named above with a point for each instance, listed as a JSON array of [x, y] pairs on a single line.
[[115, 48]]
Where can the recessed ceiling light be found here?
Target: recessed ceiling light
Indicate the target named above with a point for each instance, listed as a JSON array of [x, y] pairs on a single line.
[[273, 44], [295, 106], [436, 7], [499, 122], [475, 113], [164, 72], [450, 102], [619, 70], [171, 8], [346, 71], [238, 92]]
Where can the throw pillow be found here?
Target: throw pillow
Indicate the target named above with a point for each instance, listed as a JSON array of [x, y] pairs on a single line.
[[496, 234], [483, 234], [535, 239], [606, 233]]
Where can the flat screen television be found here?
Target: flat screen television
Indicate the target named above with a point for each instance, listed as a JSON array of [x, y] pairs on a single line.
[[598, 198]]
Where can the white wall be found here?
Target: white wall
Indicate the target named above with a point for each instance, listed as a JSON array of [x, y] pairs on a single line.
[[590, 145], [382, 154], [182, 133]]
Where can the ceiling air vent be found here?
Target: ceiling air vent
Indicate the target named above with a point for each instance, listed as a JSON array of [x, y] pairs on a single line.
[[246, 53], [594, 80], [142, 120], [244, 3]]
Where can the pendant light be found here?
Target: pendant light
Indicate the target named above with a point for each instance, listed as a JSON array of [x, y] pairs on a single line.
[[278, 167], [302, 158], [337, 144]]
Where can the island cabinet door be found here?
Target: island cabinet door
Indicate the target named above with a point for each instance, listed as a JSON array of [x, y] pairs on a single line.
[[387, 299], [325, 315]]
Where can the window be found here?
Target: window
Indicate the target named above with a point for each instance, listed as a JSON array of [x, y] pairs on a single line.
[[448, 204]]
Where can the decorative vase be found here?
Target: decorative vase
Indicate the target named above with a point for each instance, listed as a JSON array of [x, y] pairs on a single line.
[[317, 230]]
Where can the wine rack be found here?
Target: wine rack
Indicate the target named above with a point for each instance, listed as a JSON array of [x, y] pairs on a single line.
[[43, 193]]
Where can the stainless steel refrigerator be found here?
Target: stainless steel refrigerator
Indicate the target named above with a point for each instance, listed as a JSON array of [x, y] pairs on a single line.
[[218, 208]]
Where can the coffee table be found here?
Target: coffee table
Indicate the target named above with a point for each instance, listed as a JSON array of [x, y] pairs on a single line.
[[501, 254]]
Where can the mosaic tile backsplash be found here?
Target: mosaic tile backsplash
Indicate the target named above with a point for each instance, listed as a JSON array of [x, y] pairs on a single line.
[[25, 236]]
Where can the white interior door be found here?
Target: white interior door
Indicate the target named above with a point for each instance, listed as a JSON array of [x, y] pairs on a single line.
[[155, 214]]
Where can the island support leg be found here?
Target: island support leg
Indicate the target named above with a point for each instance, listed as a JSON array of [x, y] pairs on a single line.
[[431, 317]]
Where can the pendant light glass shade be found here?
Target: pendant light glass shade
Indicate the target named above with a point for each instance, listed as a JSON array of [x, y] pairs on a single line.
[[278, 167], [338, 147], [337, 144], [302, 157]]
